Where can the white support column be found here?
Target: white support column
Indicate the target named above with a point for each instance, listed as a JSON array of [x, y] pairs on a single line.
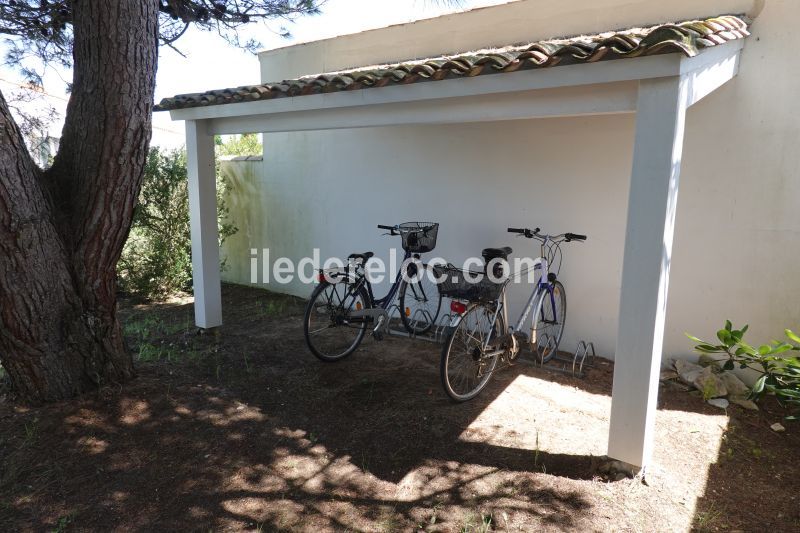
[[661, 111], [203, 218]]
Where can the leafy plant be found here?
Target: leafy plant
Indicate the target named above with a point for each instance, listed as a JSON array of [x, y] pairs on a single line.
[[779, 372], [156, 260], [244, 144]]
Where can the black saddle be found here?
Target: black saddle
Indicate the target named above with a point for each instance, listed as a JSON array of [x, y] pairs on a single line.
[[364, 257], [493, 253]]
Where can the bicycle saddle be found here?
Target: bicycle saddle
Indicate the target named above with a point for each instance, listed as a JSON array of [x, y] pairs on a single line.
[[364, 257], [491, 253]]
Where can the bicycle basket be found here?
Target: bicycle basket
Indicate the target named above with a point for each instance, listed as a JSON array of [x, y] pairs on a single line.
[[454, 283], [419, 237]]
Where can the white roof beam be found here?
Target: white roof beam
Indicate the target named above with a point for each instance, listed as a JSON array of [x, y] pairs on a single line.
[[602, 99]]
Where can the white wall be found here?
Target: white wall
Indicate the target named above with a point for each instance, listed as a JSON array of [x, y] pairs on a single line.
[[738, 229], [515, 22], [244, 175], [476, 180], [737, 225]]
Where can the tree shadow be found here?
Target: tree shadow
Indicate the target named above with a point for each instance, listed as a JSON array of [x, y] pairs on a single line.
[[757, 465], [246, 429]]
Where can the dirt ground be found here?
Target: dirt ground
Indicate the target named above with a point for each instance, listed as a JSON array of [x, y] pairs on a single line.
[[244, 429]]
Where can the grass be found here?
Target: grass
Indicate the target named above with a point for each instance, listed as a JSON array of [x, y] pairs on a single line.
[[389, 520], [63, 523], [31, 431], [150, 352], [275, 308], [434, 516], [708, 520], [143, 328], [477, 523], [144, 333]]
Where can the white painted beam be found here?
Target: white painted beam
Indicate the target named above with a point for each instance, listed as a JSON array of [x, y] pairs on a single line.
[[645, 272], [203, 219], [715, 70], [602, 99], [547, 78]]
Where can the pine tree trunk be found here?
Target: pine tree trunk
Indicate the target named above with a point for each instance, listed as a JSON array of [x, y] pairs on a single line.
[[62, 230]]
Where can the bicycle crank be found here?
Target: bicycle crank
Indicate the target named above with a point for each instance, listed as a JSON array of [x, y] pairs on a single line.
[[380, 316], [509, 344]]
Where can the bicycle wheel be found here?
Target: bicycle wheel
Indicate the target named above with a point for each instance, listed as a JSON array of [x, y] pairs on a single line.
[[329, 333], [547, 326], [463, 369], [420, 300]]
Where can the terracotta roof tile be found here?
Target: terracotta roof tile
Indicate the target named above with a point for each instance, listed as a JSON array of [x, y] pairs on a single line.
[[687, 38]]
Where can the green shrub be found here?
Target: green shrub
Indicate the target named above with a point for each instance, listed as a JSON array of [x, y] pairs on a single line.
[[779, 373], [156, 260], [245, 144]]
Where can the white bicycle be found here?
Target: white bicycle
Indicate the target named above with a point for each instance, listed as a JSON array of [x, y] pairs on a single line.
[[479, 338]]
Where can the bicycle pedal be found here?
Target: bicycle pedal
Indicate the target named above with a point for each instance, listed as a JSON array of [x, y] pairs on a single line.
[[377, 335], [516, 346]]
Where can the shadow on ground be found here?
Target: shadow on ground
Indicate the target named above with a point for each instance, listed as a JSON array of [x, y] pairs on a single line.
[[244, 429]]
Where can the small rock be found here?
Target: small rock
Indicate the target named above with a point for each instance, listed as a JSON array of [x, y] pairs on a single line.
[[777, 427], [612, 468], [710, 384], [687, 371], [722, 403], [744, 402], [735, 386], [667, 375]]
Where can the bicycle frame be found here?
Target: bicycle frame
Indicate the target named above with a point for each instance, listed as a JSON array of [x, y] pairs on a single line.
[[542, 288], [362, 280]]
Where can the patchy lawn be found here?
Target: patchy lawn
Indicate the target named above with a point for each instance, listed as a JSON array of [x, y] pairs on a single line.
[[245, 430]]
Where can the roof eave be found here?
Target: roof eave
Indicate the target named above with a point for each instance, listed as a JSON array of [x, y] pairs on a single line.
[[627, 70]]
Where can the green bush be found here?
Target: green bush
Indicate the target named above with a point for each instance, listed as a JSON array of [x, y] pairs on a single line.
[[156, 261], [779, 373], [237, 145]]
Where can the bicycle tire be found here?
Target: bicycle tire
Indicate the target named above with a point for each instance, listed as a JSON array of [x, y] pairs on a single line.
[[410, 323], [447, 358], [544, 318], [307, 333]]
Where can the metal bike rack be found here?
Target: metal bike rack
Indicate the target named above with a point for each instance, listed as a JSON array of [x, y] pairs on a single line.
[[581, 360], [437, 333]]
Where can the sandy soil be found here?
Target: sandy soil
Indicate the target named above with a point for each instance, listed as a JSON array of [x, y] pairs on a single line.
[[244, 429]]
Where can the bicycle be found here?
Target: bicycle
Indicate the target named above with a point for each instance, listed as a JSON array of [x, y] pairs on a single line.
[[479, 338], [343, 305]]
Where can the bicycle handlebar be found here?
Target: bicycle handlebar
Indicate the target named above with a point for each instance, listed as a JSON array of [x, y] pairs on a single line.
[[392, 229], [525, 231], [574, 237], [535, 233]]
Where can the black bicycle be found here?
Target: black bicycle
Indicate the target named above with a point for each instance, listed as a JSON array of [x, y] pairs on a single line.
[[343, 305]]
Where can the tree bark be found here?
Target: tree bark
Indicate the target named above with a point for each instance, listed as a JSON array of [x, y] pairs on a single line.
[[62, 230]]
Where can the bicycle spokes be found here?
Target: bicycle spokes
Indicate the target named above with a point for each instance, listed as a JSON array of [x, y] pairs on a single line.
[[548, 324]]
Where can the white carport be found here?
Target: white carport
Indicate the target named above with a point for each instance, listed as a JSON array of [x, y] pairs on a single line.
[[658, 88]]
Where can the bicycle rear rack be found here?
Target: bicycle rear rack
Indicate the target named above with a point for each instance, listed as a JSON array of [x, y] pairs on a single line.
[[437, 334], [576, 365]]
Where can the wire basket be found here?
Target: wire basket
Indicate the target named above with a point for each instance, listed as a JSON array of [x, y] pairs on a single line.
[[419, 237], [454, 283]]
